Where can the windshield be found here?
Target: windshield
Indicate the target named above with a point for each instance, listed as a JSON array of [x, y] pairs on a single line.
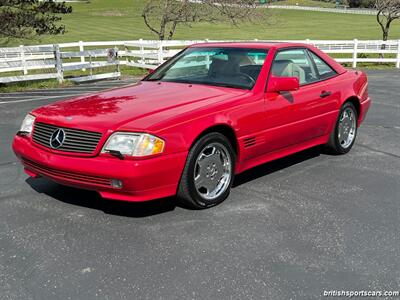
[[229, 67]]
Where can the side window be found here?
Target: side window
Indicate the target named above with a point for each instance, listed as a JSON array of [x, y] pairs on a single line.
[[294, 63], [324, 70]]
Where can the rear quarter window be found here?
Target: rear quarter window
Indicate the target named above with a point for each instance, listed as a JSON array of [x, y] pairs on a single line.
[[324, 70]]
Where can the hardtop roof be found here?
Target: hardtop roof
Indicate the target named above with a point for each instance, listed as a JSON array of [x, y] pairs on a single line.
[[255, 45]]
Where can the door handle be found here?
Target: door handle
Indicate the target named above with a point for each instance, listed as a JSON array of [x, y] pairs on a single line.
[[325, 94]]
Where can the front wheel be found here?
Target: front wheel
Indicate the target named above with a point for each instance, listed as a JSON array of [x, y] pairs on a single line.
[[208, 174], [344, 134]]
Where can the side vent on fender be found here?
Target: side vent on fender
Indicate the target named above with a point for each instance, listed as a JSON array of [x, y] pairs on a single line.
[[248, 142]]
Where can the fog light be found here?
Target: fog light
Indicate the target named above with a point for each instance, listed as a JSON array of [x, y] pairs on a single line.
[[116, 183]]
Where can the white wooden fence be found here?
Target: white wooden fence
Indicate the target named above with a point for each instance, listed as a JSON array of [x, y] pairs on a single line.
[[77, 61], [343, 10]]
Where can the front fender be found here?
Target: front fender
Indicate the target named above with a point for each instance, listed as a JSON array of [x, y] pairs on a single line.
[[244, 117]]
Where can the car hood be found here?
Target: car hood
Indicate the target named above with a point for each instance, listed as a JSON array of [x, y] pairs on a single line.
[[112, 109]]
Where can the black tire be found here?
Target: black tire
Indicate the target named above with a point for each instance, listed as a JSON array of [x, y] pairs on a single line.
[[187, 194], [334, 146]]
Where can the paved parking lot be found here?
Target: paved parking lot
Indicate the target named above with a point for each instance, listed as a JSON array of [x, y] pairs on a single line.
[[290, 230]]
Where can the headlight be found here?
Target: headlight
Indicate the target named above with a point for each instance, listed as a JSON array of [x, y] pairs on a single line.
[[134, 144], [27, 124]]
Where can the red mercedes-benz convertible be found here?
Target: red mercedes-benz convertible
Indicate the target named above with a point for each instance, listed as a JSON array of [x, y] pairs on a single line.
[[212, 111]]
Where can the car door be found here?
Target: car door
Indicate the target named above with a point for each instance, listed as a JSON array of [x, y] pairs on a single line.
[[303, 115]]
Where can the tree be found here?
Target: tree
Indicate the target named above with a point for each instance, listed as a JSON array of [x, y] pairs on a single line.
[[28, 18], [163, 17], [388, 11]]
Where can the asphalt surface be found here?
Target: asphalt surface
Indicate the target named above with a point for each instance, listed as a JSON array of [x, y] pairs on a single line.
[[290, 229]]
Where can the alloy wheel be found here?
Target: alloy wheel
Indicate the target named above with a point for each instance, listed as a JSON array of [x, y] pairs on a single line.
[[212, 172]]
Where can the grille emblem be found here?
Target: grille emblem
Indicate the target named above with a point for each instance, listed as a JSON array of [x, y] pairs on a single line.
[[57, 138]]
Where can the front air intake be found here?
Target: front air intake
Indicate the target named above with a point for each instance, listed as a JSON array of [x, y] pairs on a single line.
[[248, 142]]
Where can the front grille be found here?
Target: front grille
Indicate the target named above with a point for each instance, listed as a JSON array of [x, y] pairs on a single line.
[[65, 175], [79, 141]]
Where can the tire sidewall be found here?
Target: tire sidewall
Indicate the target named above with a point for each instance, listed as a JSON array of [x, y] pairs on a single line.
[[194, 153], [336, 137]]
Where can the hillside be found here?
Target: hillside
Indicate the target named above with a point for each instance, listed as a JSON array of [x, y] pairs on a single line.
[[121, 20]]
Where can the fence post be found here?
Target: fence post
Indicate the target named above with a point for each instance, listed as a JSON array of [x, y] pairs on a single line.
[[90, 65], [81, 49], [398, 55], [118, 62], [355, 54], [23, 61], [160, 53], [59, 67], [142, 59]]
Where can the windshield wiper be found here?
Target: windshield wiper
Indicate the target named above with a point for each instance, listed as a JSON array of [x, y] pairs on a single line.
[[209, 83], [180, 81], [231, 86], [224, 85]]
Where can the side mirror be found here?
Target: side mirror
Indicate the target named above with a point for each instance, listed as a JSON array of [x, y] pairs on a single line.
[[149, 72], [283, 84]]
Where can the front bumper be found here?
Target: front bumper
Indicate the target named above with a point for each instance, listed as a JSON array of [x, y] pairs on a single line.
[[142, 180]]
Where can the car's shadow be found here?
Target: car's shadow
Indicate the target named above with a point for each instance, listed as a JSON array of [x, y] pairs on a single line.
[[93, 200], [276, 165]]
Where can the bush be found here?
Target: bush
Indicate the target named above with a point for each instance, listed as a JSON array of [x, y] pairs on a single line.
[[361, 3]]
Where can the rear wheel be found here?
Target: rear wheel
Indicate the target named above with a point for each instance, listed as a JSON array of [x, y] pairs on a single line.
[[344, 134], [208, 174]]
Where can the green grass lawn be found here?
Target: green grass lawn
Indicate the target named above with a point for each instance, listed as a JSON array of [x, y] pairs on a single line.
[[127, 72], [33, 85], [102, 20]]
